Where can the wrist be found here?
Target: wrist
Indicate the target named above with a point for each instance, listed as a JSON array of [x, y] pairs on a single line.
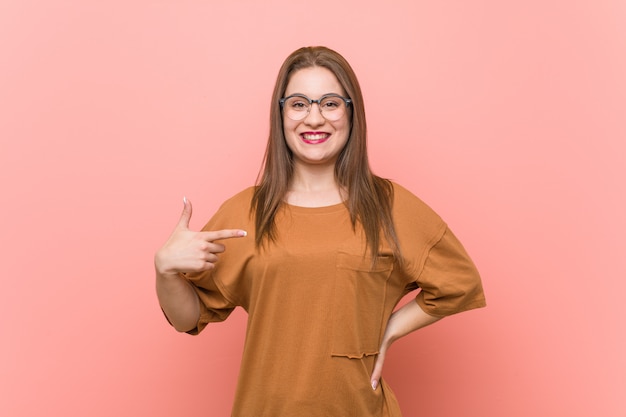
[[162, 268]]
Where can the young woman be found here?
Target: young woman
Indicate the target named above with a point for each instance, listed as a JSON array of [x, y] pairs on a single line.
[[318, 253]]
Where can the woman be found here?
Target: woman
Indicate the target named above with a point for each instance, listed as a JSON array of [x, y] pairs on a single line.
[[318, 253]]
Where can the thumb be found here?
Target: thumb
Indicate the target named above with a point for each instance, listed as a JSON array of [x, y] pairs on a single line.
[[378, 370], [183, 222]]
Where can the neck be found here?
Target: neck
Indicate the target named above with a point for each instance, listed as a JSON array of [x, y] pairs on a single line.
[[313, 186], [313, 178]]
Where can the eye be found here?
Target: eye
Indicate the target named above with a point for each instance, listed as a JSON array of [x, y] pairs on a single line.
[[297, 103], [331, 103]]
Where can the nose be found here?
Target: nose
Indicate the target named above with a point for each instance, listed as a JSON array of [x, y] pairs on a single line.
[[314, 117]]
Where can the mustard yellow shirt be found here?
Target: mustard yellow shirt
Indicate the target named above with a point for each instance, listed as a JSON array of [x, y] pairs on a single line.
[[316, 309]]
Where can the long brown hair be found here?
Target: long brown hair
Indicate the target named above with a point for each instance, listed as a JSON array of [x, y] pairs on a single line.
[[369, 197]]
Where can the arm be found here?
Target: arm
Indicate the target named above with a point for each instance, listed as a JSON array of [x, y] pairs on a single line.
[[185, 251], [178, 301], [404, 321]]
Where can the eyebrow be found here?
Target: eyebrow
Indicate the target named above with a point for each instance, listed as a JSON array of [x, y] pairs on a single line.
[[325, 94]]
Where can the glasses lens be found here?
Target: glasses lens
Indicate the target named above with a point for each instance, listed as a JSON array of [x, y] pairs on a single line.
[[332, 108], [297, 108]]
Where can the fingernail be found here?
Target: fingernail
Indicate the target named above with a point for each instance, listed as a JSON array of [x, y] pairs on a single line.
[[374, 385], [242, 233], [184, 200]]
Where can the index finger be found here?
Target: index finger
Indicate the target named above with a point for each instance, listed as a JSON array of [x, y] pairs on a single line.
[[223, 234]]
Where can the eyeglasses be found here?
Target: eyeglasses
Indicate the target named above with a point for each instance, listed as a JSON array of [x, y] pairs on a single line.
[[298, 106]]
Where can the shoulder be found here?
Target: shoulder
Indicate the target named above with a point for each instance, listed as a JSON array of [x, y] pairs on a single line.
[[233, 212], [405, 200], [242, 198], [414, 219]]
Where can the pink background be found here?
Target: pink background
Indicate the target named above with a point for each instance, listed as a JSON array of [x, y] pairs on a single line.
[[508, 118]]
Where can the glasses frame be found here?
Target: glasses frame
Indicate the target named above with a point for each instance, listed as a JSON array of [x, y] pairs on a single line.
[[318, 101]]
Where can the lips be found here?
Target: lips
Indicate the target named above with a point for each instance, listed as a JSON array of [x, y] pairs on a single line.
[[313, 138]]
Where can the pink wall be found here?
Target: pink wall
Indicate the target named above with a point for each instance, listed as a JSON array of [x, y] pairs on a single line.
[[508, 118]]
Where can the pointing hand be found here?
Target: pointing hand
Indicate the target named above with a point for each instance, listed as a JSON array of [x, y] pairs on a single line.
[[189, 251]]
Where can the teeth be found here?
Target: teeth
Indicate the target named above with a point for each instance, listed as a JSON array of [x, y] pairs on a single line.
[[317, 136]]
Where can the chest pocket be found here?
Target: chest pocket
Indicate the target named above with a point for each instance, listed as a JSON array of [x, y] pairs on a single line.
[[359, 304]]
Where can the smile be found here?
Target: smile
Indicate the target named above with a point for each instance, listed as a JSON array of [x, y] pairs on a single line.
[[314, 137]]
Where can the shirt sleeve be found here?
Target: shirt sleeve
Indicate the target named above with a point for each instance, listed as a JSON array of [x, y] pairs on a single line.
[[449, 280], [214, 306], [221, 289]]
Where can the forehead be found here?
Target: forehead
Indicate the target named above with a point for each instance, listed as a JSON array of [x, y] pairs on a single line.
[[313, 82]]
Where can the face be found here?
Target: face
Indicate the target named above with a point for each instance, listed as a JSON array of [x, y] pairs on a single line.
[[315, 140]]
